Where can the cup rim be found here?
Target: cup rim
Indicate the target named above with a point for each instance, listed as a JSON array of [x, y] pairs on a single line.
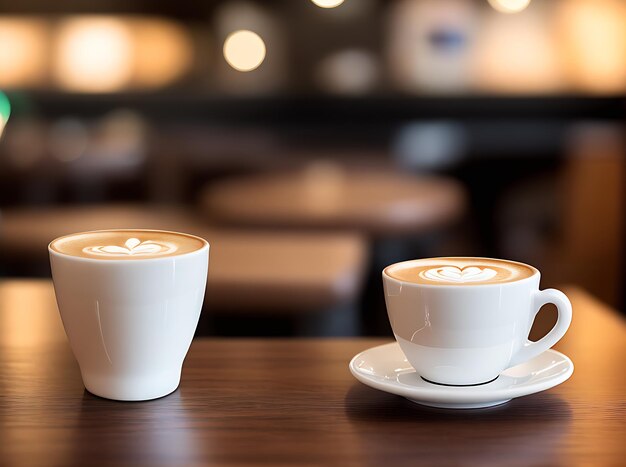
[[387, 276], [205, 247]]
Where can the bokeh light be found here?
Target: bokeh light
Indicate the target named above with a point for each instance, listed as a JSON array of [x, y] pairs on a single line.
[[328, 3], [351, 71], [430, 44], [68, 139], [593, 37], [163, 52], [93, 54], [509, 6], [23, 51], [24, 142], [244, 50], [516, 54], [5, 111], [5, 107]]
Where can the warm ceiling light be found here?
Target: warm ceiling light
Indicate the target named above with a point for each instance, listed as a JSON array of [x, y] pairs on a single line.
[[22, 52], [328, 3], [244, 50], [509, 6], [593, 41], [516, 54], [163, 52], [94, 54]]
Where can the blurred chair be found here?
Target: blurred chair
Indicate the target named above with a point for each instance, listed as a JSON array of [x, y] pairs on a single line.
[[311, 278], [592, 250], [572, 226]]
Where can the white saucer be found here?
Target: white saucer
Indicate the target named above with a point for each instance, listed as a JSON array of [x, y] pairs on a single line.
[[386, 368]]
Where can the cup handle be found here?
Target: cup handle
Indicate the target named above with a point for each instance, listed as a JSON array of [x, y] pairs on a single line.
[[564, 308]]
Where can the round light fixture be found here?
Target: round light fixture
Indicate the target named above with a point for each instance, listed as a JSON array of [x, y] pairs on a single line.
[[244, 50], [509, 6], [328, 3], [94, 54]]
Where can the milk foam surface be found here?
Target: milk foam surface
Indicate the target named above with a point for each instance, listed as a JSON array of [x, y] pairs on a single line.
[[126, 244], [459, 271]]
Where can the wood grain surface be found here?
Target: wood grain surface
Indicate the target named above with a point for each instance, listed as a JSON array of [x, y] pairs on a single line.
[[293, 402]]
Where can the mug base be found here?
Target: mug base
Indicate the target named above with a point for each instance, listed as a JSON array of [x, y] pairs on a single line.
[[131, 389], [443, 405]]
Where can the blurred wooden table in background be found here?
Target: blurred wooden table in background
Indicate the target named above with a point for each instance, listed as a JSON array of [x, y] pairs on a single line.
[[294, 402], [261, 272], [325, 196]]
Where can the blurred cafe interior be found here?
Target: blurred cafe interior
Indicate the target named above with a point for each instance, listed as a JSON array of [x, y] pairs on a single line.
[[313, 142]]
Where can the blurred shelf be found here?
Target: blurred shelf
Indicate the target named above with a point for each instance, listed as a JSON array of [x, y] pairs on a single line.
[[322, 109]]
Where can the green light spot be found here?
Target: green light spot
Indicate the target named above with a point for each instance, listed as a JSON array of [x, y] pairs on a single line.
[[5, 107]]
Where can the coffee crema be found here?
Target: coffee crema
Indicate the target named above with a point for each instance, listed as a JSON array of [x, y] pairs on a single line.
[[459, 271], [126, 244]]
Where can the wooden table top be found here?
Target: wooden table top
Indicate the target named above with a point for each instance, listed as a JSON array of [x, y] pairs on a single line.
[[325, 196], [281, 272], [294, 402]]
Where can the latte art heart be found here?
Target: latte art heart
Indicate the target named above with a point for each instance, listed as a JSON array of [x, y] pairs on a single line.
[[132, 247], [455, 274], [461, 271]]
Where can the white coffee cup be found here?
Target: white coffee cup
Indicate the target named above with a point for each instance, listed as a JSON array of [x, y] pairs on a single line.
[[130, 322], [467, 333]]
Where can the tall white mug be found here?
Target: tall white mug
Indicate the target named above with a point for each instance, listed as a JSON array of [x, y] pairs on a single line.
[[468, 333], [130, 322]]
